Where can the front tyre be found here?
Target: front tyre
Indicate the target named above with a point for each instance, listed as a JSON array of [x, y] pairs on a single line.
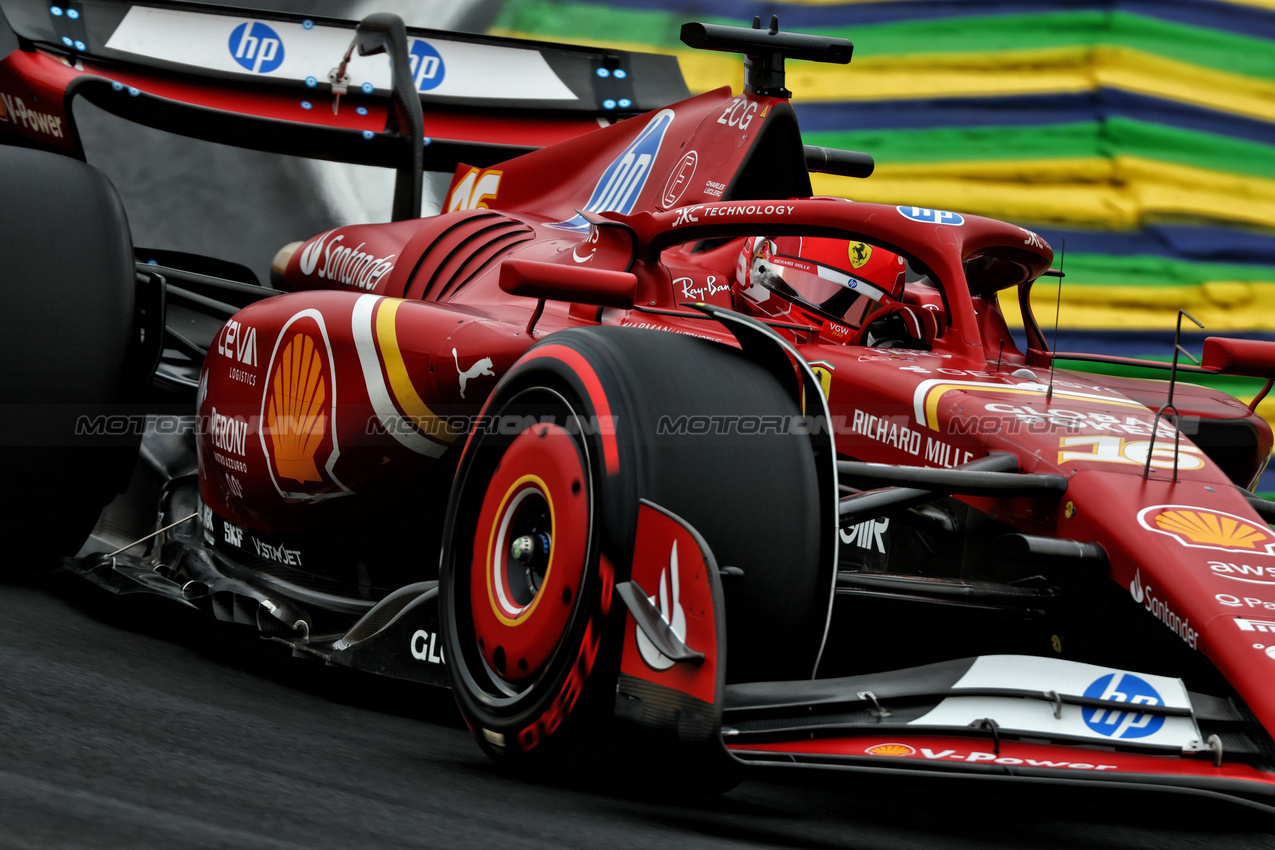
[[542, 523], [525, 583]]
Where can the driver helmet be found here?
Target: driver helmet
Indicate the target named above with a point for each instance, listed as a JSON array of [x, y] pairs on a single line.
[[842, 280]]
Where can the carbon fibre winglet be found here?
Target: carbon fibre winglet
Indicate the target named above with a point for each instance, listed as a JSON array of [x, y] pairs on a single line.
[[653, 625]]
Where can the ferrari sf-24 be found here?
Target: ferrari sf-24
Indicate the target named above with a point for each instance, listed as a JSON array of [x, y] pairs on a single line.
[[636, 440]]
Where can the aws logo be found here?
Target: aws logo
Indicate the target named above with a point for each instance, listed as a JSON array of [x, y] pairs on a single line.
[[298, 411], [1201, 528]]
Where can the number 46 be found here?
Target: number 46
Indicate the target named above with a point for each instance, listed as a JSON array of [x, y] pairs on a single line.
[[1110, 449]]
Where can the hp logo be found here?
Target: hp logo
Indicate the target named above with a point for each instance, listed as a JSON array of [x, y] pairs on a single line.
[[427, 66], [1123, 687], [256, 47], [929, 216]]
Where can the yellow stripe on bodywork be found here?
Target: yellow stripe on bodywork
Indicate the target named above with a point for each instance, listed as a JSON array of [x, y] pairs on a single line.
[[414, 407]]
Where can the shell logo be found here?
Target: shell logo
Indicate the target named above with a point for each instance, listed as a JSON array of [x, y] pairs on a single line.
[[1201, 528], [295, 410], [298, 412], [891, 750]]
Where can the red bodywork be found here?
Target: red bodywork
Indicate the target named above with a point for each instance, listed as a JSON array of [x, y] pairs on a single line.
[[336, 398], [966, 397]]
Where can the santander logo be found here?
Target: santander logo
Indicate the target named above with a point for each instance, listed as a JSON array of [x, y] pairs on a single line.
[[670, 610], [310, 256]]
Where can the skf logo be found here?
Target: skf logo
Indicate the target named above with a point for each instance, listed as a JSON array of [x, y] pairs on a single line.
[[472, 191], [670, 610], [256, 47], [860, 253], [428, 69], [891, 750], [1201, 528]]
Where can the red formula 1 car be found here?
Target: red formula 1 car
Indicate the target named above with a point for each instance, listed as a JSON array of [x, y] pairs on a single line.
[[636, 438]]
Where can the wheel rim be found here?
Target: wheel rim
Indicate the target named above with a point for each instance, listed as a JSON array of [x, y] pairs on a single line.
[[530, 548]]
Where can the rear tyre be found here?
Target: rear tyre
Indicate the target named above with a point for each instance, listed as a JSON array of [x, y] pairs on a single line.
[[543, 515], [71, 351]]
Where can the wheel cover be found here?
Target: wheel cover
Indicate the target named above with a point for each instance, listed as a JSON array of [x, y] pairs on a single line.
[[521, 607]]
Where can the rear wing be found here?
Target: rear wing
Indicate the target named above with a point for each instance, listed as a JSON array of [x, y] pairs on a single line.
[[261, 80]]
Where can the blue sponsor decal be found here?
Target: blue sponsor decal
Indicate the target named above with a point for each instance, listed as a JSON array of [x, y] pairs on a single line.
[[929, 216], [256, 47], [428, 69], [1118, 723], [620, 185]]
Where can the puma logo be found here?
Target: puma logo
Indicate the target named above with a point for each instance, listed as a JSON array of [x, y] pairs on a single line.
[[482, 367]]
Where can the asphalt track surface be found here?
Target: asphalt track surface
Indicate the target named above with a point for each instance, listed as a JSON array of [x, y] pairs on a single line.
[[132, 722], [135, 723]]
